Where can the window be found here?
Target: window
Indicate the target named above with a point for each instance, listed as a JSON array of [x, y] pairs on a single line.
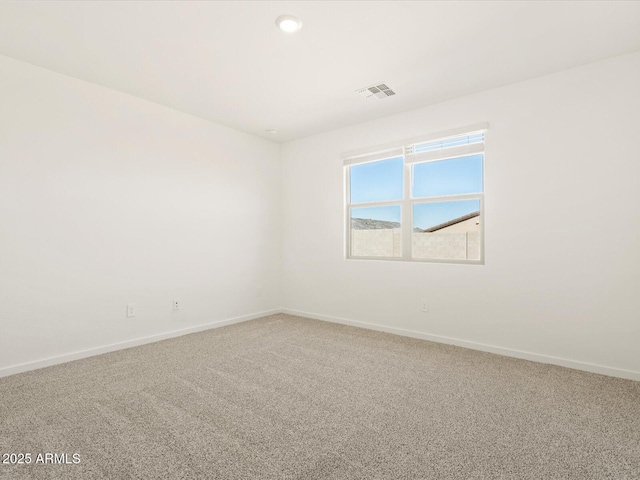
[[421, 200]]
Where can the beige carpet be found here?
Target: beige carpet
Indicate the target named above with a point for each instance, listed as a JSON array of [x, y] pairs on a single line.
[[289, 398]]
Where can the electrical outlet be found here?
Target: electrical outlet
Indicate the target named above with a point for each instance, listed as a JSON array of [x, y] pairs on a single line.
[[424, 305], [176, 304], [131, 309]]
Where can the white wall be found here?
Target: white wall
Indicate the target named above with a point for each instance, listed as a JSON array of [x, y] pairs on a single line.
[[106, 199], [562, 191]]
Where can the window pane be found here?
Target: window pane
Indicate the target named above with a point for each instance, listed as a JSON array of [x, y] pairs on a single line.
[[375, 232], [446, 230], [449, 142], [448, 177], [377, 181]]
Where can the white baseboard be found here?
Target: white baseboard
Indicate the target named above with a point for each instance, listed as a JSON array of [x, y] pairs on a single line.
[[535, 357], [508, 352], [47, 362]]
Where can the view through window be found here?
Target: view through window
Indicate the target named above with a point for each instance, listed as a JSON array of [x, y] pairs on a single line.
[[422, 201]]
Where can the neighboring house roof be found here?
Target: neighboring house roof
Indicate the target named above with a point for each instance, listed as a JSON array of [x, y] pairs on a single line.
[[450, 222], [369, 224]]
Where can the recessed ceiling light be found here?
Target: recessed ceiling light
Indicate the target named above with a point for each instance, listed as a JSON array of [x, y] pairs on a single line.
[[271, 131], [288, 23]]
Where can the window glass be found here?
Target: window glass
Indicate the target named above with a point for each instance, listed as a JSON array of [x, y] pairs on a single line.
[[446, 230], [377, 181], [448, 177], [417, 201], [376, 232], [456, 141]]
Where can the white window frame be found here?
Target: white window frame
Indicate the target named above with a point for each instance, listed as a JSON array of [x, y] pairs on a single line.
[[405, 149]]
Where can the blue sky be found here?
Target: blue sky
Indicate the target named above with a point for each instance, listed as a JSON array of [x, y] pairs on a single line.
[[383, 181]]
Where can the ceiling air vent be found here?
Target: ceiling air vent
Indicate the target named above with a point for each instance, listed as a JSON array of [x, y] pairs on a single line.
[[379, 90]]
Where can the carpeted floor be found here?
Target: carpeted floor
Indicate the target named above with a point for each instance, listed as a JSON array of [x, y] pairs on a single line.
[[284, 397]]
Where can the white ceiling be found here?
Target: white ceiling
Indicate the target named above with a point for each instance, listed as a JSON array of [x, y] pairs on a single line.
[[227, 62]]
